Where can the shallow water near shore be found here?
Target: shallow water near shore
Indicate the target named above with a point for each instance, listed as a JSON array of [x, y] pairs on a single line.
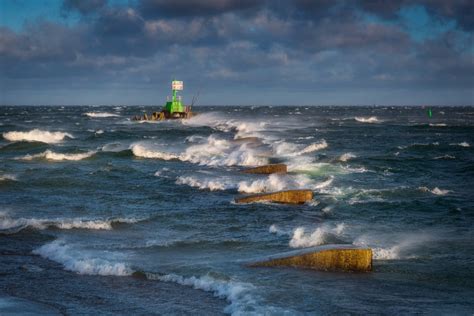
[[127, 217]]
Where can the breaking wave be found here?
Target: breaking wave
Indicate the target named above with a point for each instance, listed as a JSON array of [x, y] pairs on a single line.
[[10, 225], [290, 149], [204, 184], [435, 191], [36, 135], [74, 260], [240, 295], [346, 157], [100, 114], [371, 119], [8, 177], [276, 182], [213, 152], [320, 236], [51, 155], [462, 144]]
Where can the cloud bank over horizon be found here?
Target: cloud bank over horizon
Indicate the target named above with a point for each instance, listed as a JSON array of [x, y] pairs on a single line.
[[237, 51]]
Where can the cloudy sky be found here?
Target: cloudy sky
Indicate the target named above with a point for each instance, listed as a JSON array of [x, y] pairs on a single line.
[[237, 51]]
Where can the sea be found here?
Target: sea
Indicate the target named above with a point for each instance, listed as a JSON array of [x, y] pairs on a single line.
[[103, 215]]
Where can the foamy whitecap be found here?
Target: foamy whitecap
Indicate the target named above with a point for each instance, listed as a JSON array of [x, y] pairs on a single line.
[[346, 157], [204, 184], [291, 150], [100, 114], [240, 295], [277, 182], [213, 152], [8, 177], [141, 150], [51, 155], [77, 261], [320, 236], [9, 224], [36, 135], [371, 119], [435, 191], [462, 144]]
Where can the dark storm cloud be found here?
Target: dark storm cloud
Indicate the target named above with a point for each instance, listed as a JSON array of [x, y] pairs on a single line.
[[83, 6], [187, 8], [304, 44]]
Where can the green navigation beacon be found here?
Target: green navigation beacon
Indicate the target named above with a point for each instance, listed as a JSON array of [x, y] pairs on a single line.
[[173, 109]]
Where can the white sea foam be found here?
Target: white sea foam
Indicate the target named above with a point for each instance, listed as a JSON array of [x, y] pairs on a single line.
[[447, 157], [77, 261], [100, 114], [8, 223], [462, 144], [291, 150], [435, 191], [346, 157], [51, 155], [36, 135], [140, 150], [8, 177], [320, 236], [204, 184], [213, 152], [438, 124], [274, 229], [371, 119], [277, 182], [394, 247], [238, 294]]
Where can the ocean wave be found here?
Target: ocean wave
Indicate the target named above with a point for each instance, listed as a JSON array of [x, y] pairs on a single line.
[[76, 261], [276, 182], [8, 177], [141, 150], [462, 144], [291, 150], [397, 247], [371, 119], [36, 135], [240, 295], [10, 225], [446, 157], [204, 184], [435, 191], [320, 236], [51, 155], [213, 152], [100, 114], [438, 124], [346, 157]]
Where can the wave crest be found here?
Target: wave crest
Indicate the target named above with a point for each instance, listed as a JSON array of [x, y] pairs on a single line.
[[36, 135], [100, 114], [371, 119], [51, 155]]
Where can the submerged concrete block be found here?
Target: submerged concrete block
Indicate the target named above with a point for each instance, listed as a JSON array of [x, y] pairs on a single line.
[[323, 258], [268, 169], [287, 197]]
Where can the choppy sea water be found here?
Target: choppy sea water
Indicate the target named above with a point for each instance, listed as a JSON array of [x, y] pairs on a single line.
[[88, 197]]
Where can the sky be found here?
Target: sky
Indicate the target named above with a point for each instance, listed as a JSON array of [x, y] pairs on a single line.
[[237, 52]]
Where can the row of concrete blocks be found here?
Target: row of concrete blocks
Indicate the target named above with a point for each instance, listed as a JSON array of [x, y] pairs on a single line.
[[325, 258]]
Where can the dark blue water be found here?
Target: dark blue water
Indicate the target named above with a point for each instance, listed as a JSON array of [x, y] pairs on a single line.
[[88, 198]]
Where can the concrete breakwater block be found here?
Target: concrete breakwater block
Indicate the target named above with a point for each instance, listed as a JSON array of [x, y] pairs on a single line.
[[323, 258], [287, 197], [268, 169]]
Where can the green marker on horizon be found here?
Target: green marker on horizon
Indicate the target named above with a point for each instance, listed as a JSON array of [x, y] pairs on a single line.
[[430, 114]]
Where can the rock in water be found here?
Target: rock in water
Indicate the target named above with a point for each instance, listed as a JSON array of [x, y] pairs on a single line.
[[324, 258], [287, 197], [268, 169]]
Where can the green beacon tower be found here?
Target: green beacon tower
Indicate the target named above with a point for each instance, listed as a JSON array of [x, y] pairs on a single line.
[[175, 105]]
